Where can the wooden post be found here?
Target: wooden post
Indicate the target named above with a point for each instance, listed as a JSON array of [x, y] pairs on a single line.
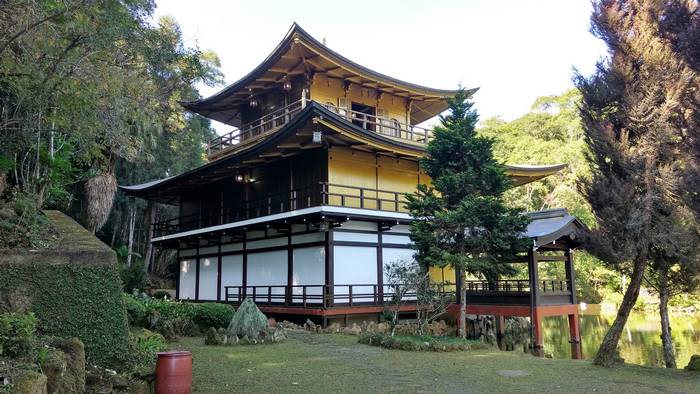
[[537, 340], [575, 335], [570, 273], [501, 332]]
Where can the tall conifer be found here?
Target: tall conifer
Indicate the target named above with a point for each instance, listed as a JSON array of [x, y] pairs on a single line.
[[461, 220]]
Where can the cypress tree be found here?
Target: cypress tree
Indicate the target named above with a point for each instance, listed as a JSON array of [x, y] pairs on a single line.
[[461, 221]]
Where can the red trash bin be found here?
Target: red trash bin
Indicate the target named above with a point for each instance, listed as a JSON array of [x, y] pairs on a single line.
[[174, 373]]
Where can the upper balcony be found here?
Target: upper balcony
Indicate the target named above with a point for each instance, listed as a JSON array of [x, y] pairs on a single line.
[[321, 194], [258, 129]]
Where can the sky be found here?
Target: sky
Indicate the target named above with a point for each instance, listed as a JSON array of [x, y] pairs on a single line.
[[512, 50]]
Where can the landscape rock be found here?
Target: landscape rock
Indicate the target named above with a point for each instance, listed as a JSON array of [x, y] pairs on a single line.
[[248, 321], [694, 363], [139, 387], [353, 330], [120, 382], [30, 382], [65, 368], [333, 328], [214, 338], [271, 322]]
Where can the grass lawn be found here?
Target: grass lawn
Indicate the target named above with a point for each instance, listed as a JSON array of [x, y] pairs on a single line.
[[314, 363]]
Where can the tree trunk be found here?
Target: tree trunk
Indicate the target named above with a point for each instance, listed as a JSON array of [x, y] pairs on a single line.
[[666, 339], [606, 351], [132, 219], [462, 308], [148, 252]]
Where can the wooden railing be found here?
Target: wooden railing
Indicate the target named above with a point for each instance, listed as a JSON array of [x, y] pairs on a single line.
[[323, 193], [387, 126], [326, 296], [273, 121], [253, 130]]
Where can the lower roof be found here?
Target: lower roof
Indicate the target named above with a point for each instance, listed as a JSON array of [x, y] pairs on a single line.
[[166, 190]]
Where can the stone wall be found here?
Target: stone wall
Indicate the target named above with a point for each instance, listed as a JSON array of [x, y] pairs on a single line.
[[73, 289]]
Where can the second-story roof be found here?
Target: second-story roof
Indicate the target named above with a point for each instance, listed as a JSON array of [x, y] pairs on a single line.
[[299, 54]]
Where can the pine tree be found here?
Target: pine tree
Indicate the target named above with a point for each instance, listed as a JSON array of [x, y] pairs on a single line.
[[461, 220], [636, 110]]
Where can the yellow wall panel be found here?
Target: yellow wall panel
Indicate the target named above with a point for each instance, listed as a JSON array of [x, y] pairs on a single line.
[[355, 169], [328, 90]]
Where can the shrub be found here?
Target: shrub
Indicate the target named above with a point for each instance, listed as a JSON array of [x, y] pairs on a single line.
[[161, 294], [16, 333], [212, 314], [133, 276], [420, 343], [136, 310], [143, 352], [150, 341]]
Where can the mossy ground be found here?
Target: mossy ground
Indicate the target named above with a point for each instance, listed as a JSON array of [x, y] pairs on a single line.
[[337, 363]]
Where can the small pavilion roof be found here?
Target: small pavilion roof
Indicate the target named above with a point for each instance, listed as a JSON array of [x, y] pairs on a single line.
[[300, 54], [551, 225]]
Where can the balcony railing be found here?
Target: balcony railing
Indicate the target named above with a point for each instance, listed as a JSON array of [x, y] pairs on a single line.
[[253, 130], [323, 193], [273, 121], [349, 295], [383, 125]]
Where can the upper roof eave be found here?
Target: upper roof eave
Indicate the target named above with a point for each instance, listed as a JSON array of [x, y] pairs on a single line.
[[297, 32]]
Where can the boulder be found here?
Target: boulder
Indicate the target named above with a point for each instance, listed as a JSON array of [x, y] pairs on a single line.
[[353, 330], [248, 321], [333, 328], [120, 382], [139, 387], [271, 322], [65, 368], [29, 382], [213, 338], [694, 363], [382, 328]]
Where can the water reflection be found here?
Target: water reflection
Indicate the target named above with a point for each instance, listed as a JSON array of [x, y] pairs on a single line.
[[639, 344]]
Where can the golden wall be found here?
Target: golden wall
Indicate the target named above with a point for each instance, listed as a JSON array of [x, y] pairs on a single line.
[[329, 90], [386, 177], [443, 275]]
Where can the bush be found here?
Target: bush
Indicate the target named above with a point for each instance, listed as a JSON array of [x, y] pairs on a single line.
[[16, 333], [136, 310], [161, 294], [133, 276], [150, 341], [143, 352], [212, 314], [420, 343]]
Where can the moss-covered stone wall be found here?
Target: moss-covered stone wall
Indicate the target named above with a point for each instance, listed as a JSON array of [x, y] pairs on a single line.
[[73, 289]]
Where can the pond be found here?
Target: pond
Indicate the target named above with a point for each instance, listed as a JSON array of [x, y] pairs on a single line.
[[640, 342]]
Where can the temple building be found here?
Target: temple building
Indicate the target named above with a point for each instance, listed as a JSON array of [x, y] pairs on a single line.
[[300, 205]]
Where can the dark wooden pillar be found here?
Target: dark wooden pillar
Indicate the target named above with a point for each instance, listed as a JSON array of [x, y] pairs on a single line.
[[535, 317], [501, 332], [570, 273], [575, 335]]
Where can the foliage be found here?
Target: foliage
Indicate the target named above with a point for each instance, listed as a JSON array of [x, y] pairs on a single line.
[[74, 300], [133, 276], [213, 315], [150, 341], [143, 348], [23, 225], [248, 321], [171, 318], [462, 221], [420, 342], [16, 333], [408, 283], [635, 110]]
